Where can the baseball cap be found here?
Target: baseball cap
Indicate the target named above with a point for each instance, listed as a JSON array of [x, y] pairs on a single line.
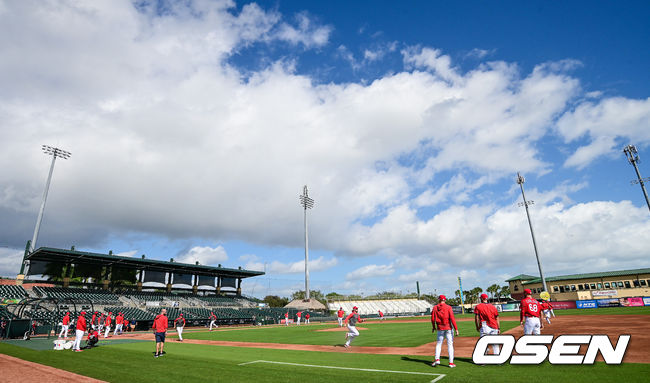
[[181, 314], [442, 297], [484, 296], [527, 291], [355, 308], [82, 313]]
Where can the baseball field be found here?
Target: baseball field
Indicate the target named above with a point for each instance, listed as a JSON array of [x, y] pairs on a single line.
[[397, 350]]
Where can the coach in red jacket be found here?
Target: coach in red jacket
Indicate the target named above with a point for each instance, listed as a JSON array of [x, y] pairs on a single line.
[[160, 329], [442, 318], [81, 329]]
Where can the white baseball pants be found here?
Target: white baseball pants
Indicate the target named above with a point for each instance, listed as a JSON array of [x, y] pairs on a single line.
[[487, 330], [353, 333], [449, 335], [179, 330], [77, 340], [532, 326], [64, 331]]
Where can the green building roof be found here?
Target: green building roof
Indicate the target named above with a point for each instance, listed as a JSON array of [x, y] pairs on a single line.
[[521, 277], [604, 274]]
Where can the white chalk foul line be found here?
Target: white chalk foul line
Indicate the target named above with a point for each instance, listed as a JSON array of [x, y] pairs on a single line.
[[439, 376]]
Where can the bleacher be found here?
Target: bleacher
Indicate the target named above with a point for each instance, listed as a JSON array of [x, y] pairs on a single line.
[[371, 308], [130, 313], [12, 292], [218, 301]]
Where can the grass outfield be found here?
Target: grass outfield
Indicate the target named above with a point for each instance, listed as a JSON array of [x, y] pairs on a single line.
[[134, 362], [643, 310], [384, 334]]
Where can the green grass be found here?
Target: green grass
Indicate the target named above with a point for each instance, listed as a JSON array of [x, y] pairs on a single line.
[[385, 334], [643, 310], [134, 362]]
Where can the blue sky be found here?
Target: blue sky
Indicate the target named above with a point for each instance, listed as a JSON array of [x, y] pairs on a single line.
[[194, 126]]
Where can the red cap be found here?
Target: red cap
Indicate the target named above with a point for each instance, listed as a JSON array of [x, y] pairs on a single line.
[[110, 313], [355, 308], [442, 297], [181, 314], [527, 291], [484, 296], [82, 313]]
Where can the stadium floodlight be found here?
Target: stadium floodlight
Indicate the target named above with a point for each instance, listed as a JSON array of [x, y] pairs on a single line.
[[633, 158], [55, 153], [520, 182], [306, 203]]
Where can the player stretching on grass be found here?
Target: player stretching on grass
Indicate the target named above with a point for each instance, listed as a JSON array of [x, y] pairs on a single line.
[[351, 320], [486, 319], [529, 314], [442, 317]]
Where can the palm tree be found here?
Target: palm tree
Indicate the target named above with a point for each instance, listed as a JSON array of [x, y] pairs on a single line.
[[493, 290], [504, 292], [476, 292]]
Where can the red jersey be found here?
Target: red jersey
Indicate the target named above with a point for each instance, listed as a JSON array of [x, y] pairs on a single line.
[[299, 314], [353, 318], [442, 317], [529, 307], [381, 315], [93, 334], [179, 322], [488, 314], [545, 306], [307, 316], [119, 319], [341, 313], [81, 323], [92, 320], [160, 323], [66, 320]]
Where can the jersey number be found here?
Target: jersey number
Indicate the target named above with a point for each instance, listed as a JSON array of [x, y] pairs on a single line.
[[533, 307]]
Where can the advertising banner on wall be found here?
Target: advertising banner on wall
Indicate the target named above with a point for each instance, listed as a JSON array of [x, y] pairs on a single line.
[[590, 304], [563, 305], [604, 293], [634, 301], [608, 302], [646, 301], [510, 307]]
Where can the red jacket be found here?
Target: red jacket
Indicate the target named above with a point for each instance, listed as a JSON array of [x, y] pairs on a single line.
[[81, 323], [66, 320], [160, 323], [442, 317], [108, 321]]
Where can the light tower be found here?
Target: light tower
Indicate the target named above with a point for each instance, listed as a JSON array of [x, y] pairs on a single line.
[[520, 181], [306, 203], [633, 158], [54, 152]]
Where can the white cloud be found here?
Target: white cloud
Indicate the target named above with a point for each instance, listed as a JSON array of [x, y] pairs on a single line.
[[204, 255], [609, 124], [10, 261], [277, 267], [130, 253], [370, 271]]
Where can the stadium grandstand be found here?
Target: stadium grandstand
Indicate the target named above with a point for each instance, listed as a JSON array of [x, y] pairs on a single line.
[[60, 281], [390, 307]]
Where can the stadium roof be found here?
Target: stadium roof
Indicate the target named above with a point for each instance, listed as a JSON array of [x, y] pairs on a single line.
[[48, 254], [604, 274], [521, 277]]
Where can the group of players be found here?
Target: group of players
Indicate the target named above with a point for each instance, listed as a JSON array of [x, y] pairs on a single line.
[[98, 323], [486, 320]]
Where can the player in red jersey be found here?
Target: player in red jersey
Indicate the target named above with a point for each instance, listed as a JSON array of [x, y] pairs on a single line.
[[65, 324], [160, 324], [546, 310], [486, 319], [118, 324], [286, 318], [351, 320], [213, 320], [81, 329], [340, 315], [179, 323], [307, 318], [107, 324], [298, 316], [381, 315], [442, 318], [529, 310]]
